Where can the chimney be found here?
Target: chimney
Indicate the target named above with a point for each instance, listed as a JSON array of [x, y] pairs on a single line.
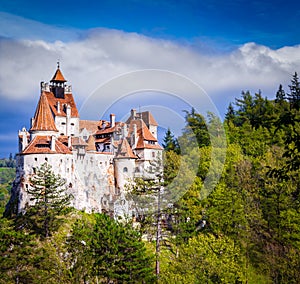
[[58, 107], [53, 143], [24, 139], [69, 141], [68, 110], [134, 135], [112, 120], [133, 114], [124, 131]]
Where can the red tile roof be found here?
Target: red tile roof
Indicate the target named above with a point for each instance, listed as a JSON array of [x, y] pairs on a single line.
[[42, 145], [91, 144], [43, 118], [124, 150], [77, 141], [142, 129], [67, 100], [58, 76], [89, 125], [143, 135], [148, 118]]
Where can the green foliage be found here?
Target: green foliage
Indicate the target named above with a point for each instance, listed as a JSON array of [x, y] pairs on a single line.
[[6, 179], [8, 163], [240, 227], [205, 259], [170, 143], [109, 251], [50, 201], [196, 129]]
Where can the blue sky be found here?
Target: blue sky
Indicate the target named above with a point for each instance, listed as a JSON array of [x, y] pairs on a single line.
[[223, 46]]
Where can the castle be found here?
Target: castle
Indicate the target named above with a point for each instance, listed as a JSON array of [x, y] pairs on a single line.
[[96, 158]]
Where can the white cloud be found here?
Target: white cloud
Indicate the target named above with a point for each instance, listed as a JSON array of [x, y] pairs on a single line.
[[102, 54]]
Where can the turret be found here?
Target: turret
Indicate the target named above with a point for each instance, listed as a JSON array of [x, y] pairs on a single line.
[[57, 84]]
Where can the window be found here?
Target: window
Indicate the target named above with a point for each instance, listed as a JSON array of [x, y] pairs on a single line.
[[153, 154], [63, 123], [72, 124], [46, 159], [125, 170], [70, 185], [35, 159]]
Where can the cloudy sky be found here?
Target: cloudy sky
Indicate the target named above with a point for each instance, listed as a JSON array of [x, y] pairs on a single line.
[[222, 47]]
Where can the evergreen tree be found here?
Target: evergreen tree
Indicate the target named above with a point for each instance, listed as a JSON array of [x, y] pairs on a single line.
[[196, 128], [170, 143], [294, 95], [230, 114], [50, 201], [109, 252], [280, 95]]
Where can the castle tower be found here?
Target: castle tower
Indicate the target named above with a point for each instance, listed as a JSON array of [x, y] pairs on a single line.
[[57, 84], [43, 121], [62, 104], [124, 164]]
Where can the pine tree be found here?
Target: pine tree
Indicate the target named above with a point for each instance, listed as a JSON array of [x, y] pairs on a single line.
[[196, 129], [230, 115], [294, 95], [50, 201], [170, 143], [280, 95], [108, 252]]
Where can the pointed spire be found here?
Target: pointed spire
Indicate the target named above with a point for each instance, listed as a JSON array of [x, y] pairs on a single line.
[[58, 76], [43, 118]]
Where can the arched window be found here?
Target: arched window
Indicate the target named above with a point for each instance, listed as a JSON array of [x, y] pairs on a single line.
[[125, 170]]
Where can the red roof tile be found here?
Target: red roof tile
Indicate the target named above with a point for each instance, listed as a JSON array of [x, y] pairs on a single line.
[[77, 141], [43, 118], [91, 144], [148, 118], [142, 129], [67, 100], [42, 145], [58, 76], [124, 150], [89, 125]]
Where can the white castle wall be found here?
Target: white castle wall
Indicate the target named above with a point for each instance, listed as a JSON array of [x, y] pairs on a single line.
[[89, 178], [67, 126]]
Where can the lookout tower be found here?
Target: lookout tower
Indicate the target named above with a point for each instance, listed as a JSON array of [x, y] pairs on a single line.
[[57, 84]]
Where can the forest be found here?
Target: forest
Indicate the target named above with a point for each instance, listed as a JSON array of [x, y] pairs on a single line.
[[245, 230]]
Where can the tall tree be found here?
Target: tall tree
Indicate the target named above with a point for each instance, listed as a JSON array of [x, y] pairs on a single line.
[[196, 129], [170, 143], [107, 251], [50, 201], [294, 95], [280, 95]]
